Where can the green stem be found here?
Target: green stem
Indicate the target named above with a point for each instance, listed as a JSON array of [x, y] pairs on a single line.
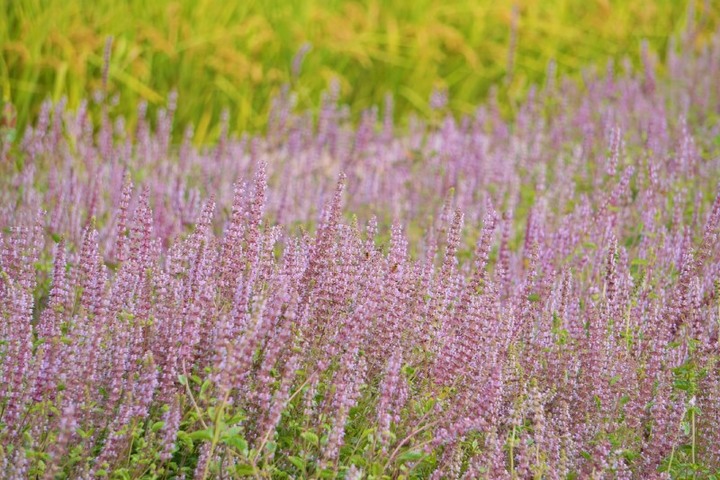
[[512, 455], [692, 416], [192, 398], [269, 432], [407, 439], [216, 432]]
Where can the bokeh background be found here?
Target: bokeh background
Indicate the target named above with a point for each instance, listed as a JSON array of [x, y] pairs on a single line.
[[237, 55]]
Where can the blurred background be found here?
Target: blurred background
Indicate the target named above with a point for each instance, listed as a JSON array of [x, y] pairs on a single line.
[[237, 55]]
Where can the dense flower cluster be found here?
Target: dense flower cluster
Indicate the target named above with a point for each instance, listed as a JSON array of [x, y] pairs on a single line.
[[525, 299]]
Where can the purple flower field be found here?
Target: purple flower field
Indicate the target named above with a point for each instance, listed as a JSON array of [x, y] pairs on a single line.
[[458, 298]]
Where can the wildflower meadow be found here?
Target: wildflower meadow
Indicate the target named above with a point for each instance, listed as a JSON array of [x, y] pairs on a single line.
[[478, 296]]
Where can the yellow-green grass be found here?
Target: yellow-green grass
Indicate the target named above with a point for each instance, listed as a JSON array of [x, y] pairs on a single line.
[[236, 55]]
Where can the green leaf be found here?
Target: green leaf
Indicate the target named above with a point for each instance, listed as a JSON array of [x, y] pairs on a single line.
[[201, 435], [244, 470], [683, 385], [237, 418], [358, 460], [327, 473], [122, 473], [411, 456], [237, 442], [297, 461], [310, 437], [182, 379], [157, 426], [206, 384], [185, 439]]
